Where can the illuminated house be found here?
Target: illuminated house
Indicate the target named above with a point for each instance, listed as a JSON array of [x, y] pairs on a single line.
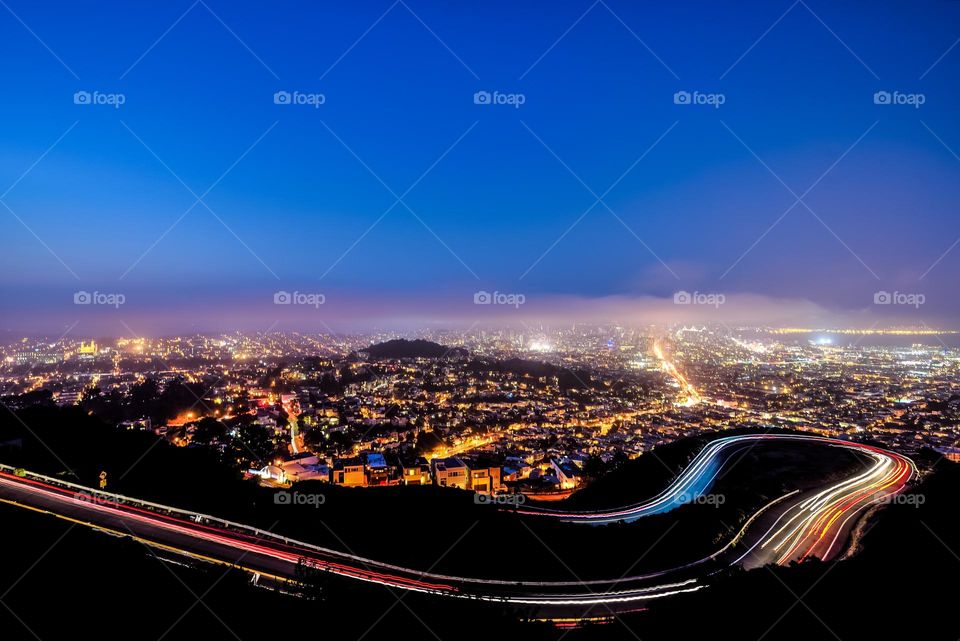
[[451, 472], [454, 472], [376, 469], [349, 473], [305, 467], [485, 479], [567, 473], [271, 474], [950, 453], [415, 471]]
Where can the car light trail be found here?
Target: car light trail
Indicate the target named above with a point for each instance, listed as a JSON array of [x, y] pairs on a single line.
[[812, 521], [808, 527]]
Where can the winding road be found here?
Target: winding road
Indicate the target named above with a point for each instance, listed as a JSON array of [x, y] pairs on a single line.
[[795, 526]]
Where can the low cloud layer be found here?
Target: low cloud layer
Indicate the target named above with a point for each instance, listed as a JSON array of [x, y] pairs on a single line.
[[109, 313]]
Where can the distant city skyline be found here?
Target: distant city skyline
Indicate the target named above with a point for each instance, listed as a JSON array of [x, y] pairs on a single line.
[[544, 320], [799, 160]]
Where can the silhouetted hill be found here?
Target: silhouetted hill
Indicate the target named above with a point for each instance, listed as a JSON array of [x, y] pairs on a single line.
[[403, 348]]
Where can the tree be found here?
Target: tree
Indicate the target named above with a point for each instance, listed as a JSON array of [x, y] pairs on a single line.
[[253, 443], [594, 467], [209, 430], [427, 442], [179, 396], [341, 441]]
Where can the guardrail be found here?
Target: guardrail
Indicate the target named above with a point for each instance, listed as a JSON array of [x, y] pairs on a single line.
[[199, 517], [121, 499]]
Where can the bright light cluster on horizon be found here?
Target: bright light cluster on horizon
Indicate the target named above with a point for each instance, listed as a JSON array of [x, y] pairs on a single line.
[[757, 348], [867, 332], [540, 346]]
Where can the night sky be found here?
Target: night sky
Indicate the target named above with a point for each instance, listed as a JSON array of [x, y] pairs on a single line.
[[398, 198]]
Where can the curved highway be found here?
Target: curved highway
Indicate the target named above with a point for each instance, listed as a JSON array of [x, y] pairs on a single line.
[[792, 527]]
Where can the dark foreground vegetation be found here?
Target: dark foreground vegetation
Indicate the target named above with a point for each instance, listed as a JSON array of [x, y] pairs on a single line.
[[57, 578]]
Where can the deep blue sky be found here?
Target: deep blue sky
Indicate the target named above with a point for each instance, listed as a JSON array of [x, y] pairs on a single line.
[[199, 97]]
